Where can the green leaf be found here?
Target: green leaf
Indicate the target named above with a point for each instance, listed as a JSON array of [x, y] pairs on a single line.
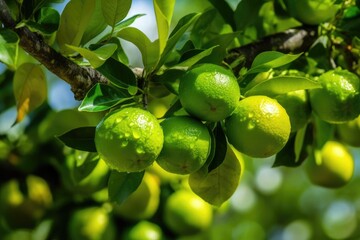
[[118, 73], [73, 23], [102, 97], [299, 142], [225, 11], [47, 21], [149, 50], [246, 13], [179, 30], [96, 25], [30, 88], [218, 185], [115, 10], [122, 184], [173, 109], [271, 59], [119, 54], [9, 48], [163, 12], [194, 59], [324, 132], [98, 56], [282, 84], [84, 167], [81, 138], [220, 148]]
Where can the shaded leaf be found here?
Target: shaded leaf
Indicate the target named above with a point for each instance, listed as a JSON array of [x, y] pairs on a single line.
[[47, 21], [163, 12], [73, 23], [9, 47], [122, 184], [225, 11], [218, 185], [98, 56], [115, 10], [118, 73], [246, 13], [80, 138], [220, 148], [102, 97], [281, 85], [96, 25], [194, 59], [30, 89], [149, 50]]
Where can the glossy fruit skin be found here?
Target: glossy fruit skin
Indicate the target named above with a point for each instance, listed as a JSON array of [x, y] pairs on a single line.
[[129, 139], [336, 168], [209, 92], [144, 230], [91, 223], [143, 203], [185, 213], [349, 132], [312, 12], [187, 144], [259, 127], [298, 108], [338, 100]]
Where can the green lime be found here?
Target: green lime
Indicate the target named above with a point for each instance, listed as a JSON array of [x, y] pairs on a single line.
[[129, 139]]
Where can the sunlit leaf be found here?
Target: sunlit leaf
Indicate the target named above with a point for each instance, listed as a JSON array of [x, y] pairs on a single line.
[[81, 138], [102, 97], [30, 88], [218, 185], [122, 184], [96, 57], [271, 59], [282, 85], [163, 12], [95, 25], [194, 59], [115, 10], [179, 30], [73, 23], [149, 50], [9, 47]]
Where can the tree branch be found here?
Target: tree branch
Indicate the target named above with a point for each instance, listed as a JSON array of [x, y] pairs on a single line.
[[290, 41], [81, 79]]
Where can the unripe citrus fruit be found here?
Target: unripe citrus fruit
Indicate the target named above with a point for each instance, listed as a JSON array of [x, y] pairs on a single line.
[[143, 202], [209, 92], [92, 223], [338, 100], [349, 132], [24, 210], [129, 140], [259, 127], [312, 12], [186, 213], [144, 230], [298, 108], [333, 168], [187, 144]]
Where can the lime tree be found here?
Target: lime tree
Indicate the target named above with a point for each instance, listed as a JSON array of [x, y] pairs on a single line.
[[129, 139]]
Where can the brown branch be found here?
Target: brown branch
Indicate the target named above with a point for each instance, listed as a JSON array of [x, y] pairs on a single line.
[[290, 41], [81, 79]]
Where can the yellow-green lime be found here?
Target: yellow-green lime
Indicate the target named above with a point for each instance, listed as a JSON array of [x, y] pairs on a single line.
[[144, 230], [349, 132], [143, 203], [185, 213], [91, 223], [331, 167], [298, 108], [187, 144], [338, 100], [129, 139], [209, 92], [259, 127]]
